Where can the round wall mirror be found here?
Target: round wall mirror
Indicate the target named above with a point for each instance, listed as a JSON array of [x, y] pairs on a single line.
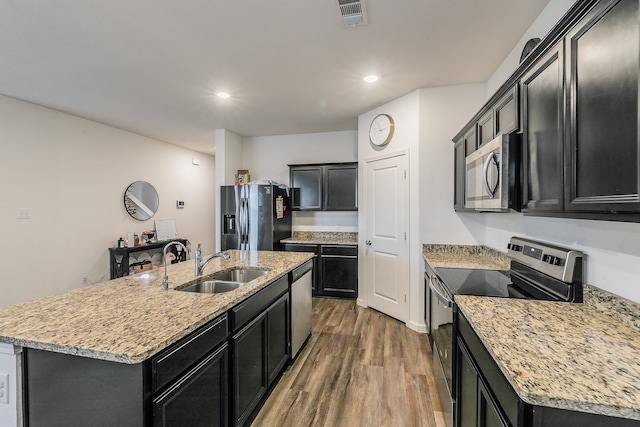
[[141, 200]]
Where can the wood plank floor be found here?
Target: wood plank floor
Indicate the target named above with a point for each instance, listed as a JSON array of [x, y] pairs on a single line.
[[360, 368]]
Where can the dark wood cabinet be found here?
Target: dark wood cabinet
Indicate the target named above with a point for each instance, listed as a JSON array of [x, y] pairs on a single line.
[[341, 187], [339, 271], [324, 187], [198, 398], [336, 269], [543, 133], [459, 175], [259, 347], [476, 406], [187, 383], [485, 131], [603, 65], [575, 98], [306, 185], [277, 337], [249, 368], [506, 116]]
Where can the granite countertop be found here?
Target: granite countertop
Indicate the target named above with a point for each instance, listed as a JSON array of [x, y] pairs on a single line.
[[465, 256], [561, 355], [129, 319], [322, 238]]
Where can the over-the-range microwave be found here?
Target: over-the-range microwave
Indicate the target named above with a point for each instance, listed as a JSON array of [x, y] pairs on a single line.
[[493, 175]]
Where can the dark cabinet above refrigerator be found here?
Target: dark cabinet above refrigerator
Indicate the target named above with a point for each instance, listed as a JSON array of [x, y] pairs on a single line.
[[324, 187]]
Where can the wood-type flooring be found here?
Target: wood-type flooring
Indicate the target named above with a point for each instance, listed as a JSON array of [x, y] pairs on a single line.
[[360, 368]]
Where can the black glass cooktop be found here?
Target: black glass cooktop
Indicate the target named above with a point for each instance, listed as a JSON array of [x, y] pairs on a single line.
[[460, 281]]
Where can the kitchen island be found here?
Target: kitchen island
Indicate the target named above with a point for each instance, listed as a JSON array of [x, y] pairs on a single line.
[[117, 329]]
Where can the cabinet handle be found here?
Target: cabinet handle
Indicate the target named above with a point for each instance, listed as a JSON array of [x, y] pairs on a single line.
[[368, 243]]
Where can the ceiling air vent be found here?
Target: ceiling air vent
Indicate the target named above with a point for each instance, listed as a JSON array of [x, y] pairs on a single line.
[[353, 12]]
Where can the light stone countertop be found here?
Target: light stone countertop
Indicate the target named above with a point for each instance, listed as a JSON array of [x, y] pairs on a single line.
[[322, 238], [561, 355], [464, 256], [129, 319]]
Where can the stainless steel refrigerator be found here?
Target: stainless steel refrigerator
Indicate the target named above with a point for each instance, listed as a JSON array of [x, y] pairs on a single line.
[[254, 217]]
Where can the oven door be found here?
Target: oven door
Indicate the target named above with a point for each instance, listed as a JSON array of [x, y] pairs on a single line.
[[442, 332]]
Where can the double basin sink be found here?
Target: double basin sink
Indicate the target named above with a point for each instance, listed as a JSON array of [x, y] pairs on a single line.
[[226, 281]]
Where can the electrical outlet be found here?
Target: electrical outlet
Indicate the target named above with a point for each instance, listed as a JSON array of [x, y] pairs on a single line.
[[4, 388], [23, 213]]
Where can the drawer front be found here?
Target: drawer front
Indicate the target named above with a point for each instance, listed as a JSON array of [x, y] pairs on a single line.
[[339, 250], [177, 358], [242, 313], [298, 247]]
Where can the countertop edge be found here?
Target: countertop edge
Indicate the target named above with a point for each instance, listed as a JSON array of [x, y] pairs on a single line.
[[134, 282]]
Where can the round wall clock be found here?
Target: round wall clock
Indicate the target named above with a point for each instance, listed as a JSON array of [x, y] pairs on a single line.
[[381, 130]]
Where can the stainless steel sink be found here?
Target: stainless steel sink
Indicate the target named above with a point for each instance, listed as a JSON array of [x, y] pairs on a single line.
[[212, 287], [226, 281], [241, 275]]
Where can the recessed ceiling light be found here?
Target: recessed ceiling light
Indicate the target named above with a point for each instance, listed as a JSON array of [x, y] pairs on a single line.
[[371, 78], [223, 95]]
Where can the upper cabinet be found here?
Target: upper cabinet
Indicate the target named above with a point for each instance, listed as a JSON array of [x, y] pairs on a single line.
[[324, 187], [543, 133], [602, 68], [575, 101]]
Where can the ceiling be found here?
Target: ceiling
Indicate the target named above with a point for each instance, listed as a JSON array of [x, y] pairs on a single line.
[[153, 66]]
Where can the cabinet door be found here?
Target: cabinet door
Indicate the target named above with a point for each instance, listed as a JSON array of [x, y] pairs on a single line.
[[339, 276], [603, 55], [485, 128], [199, 398], [341, 187], [543, 133], [506, 113], [277, 337], [249, 370], [460, 175], [470, 141], [488, 413], [466, 389], [306, 184]]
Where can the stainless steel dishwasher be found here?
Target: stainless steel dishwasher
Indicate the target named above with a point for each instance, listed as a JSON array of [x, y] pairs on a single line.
[[301, 283]]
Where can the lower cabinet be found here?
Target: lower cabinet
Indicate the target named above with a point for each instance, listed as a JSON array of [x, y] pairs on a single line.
[[484, 397], [336, 269], [476, 407], [259, 348], [219, 375], [339, 271], [199, 398]]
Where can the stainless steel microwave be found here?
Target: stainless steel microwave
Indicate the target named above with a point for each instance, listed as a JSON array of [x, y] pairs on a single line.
[[492, 175]]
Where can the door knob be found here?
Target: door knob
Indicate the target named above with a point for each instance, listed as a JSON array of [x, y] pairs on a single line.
[[368, 243]]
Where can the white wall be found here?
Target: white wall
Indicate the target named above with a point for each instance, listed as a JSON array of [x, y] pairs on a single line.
[[443, 112], [267, 157], [71, 173], [406, 115], [613, 255]]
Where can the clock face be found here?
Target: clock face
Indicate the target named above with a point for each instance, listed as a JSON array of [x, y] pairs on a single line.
[[381, 130]]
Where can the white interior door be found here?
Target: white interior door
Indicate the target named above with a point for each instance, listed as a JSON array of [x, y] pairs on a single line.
[[386, 253]]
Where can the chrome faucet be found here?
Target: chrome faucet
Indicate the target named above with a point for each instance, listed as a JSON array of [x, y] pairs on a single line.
[[199, 264], [165, 279]]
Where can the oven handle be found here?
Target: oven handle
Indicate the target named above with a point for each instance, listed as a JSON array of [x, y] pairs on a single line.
[[437, 289]]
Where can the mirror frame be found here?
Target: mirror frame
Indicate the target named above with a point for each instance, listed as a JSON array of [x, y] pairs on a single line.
[[141, 200]]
